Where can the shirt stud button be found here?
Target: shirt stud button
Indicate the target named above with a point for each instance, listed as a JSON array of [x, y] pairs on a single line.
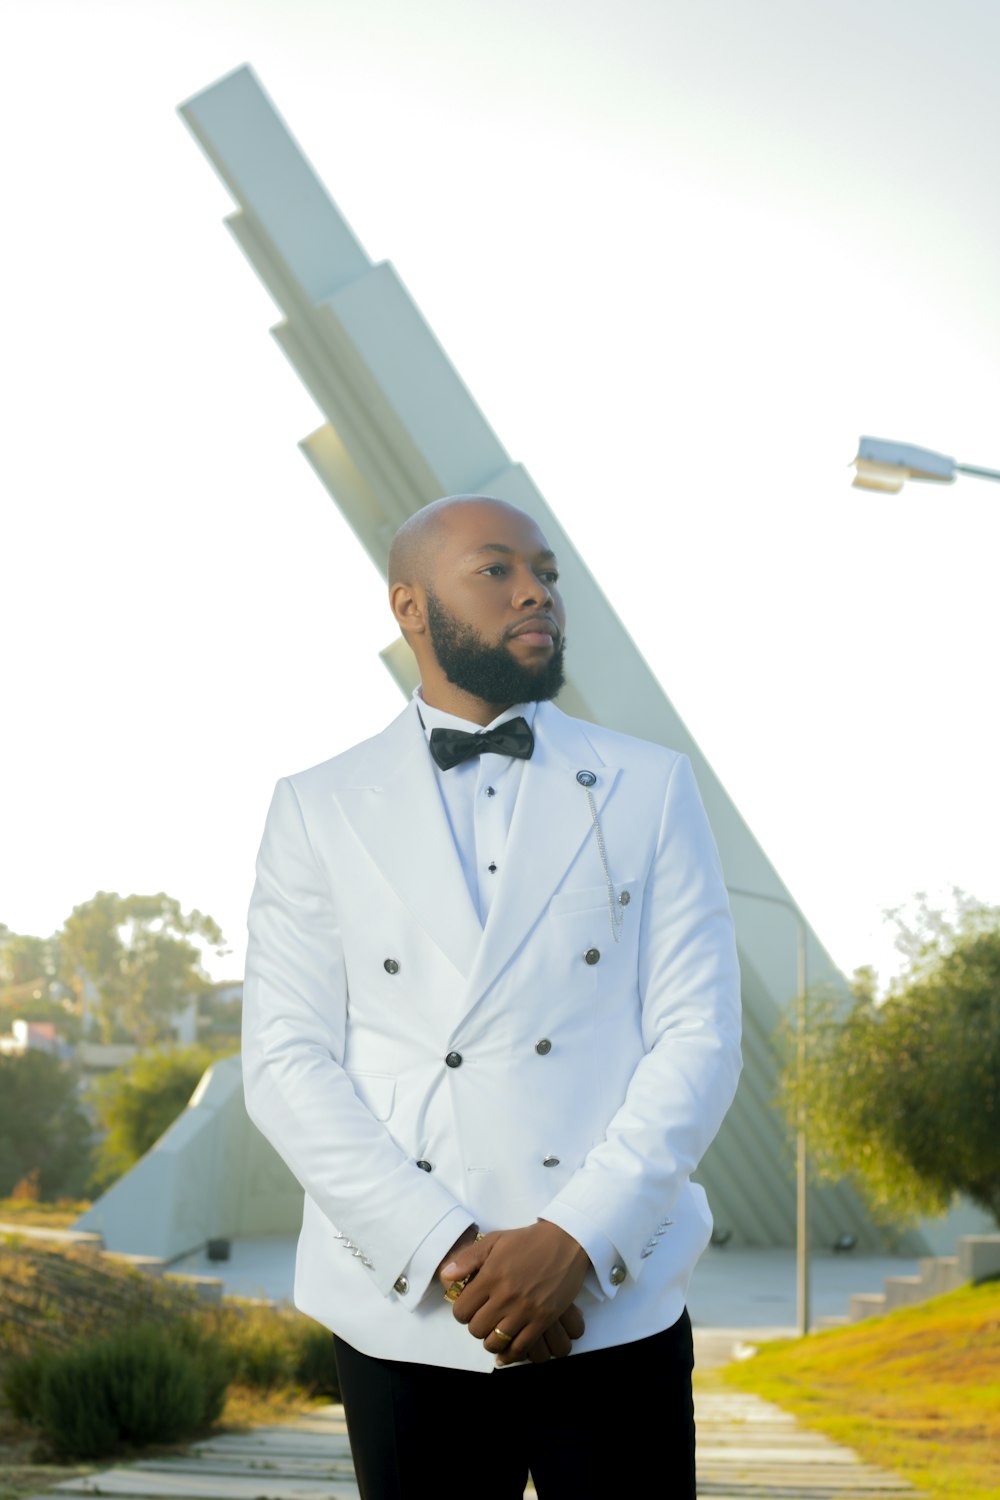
[[543, 1047], [550, 1161], [491, 791], [586, 778], [492, 869], [624, 899], [592, 956], [391, 966], [424, 1166], [454, 1059]]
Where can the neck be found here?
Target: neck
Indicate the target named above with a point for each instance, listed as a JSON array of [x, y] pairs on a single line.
[[452, 700]]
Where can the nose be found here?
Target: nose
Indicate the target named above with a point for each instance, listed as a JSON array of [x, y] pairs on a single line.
[[530, 592]]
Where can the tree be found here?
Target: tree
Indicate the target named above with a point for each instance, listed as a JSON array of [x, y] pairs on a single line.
[[136, 1104], [43, 1130], [134, 960], [903, 1095], [27, 969]]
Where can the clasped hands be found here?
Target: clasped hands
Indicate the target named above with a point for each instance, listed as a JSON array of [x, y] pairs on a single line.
[[522, 1281]]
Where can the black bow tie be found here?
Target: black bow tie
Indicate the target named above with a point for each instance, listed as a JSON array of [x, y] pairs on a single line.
[[450, 747]]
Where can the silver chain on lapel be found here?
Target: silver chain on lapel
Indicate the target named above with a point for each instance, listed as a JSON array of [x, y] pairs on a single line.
[[616, 909]]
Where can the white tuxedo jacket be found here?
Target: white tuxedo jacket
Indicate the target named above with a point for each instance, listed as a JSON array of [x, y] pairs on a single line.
[[367, 967]]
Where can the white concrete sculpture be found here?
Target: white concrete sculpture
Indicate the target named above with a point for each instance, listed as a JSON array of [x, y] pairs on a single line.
[[402, 429], [211, 1175]]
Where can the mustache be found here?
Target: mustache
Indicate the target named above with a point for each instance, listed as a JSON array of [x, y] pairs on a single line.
[[546, 620]]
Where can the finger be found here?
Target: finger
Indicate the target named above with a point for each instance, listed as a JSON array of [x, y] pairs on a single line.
[[572, 1321], [526, 1338], [497, 1340], [469, 1306], [557, 1341], [539, 1353], [489, 1316], [467, 1261]]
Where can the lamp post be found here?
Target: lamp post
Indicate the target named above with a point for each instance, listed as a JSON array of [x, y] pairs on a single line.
[[801, 1171], [885, 466]]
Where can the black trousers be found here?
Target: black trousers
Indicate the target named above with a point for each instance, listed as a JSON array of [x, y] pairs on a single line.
[[587, 1427]]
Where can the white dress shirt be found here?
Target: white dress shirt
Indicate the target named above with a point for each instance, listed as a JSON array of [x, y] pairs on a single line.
[[479, 796]]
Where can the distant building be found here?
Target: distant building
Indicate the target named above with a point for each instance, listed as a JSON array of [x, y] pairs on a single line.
[[32, 1036]]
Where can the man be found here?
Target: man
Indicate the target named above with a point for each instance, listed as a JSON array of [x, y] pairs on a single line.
[[492, 991]]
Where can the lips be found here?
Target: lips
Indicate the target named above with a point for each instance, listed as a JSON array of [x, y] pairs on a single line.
[[537, 630]]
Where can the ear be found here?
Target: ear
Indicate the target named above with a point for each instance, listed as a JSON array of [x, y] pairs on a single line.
[[407, 609]]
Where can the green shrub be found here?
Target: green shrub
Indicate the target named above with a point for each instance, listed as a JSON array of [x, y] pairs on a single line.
[[44, 1134], [213, 1359], [137, 1387], [273, 1348], [315, 1362], [22, 1384], [259, 1348]]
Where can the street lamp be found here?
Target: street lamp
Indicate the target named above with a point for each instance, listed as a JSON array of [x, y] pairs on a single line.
[[801, 1172], [885, 466]]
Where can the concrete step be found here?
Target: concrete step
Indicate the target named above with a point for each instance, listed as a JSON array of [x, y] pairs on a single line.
[[865, 1305], [979, 1256], [832, 1320], [904, 1291], [940, 1274]]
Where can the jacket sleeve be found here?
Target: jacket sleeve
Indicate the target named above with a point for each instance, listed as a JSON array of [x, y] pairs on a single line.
[[297, 1093], [685, 1081]]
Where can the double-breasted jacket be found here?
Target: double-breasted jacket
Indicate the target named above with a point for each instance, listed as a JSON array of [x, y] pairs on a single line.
[[572, 1060]]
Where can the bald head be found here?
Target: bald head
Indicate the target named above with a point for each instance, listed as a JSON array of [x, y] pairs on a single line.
[[473, 588], [420, 541]]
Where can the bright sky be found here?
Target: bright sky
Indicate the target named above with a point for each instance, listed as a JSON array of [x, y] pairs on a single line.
[[682, 253]]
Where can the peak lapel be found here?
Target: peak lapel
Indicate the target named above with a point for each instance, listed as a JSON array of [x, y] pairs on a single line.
[[551, 821], [400, 819]]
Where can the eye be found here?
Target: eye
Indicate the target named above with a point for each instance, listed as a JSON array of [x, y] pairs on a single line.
[[495, 570], [549, 575]]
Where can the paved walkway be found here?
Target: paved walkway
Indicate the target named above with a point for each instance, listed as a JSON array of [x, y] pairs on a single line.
[[747, 1450]]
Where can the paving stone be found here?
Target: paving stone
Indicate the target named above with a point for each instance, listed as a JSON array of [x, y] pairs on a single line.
[[748, 1449], [171, 1484]]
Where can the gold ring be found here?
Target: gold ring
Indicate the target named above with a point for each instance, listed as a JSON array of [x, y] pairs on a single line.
[[455, 1290], [508, 1338]]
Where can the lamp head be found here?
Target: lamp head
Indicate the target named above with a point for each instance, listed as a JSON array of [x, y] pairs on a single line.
[[885, 466]]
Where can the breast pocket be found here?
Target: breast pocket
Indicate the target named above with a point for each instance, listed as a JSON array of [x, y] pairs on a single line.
[[588, 929]]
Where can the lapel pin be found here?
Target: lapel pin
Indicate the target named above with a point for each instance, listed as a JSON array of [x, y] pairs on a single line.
[[616, 909]]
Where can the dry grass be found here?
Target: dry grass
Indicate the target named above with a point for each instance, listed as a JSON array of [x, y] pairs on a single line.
[[61, 1215], [917, 1391], [58, 1295]]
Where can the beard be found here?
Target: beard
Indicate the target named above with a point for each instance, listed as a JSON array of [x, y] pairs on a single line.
[[490, 673]]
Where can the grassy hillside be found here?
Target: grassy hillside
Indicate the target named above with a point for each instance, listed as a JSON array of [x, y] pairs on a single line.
[[60, 1298], [917, 1391]]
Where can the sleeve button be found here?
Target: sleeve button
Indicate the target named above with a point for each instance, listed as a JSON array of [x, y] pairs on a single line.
[[401, 1285], [617, 1274]]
